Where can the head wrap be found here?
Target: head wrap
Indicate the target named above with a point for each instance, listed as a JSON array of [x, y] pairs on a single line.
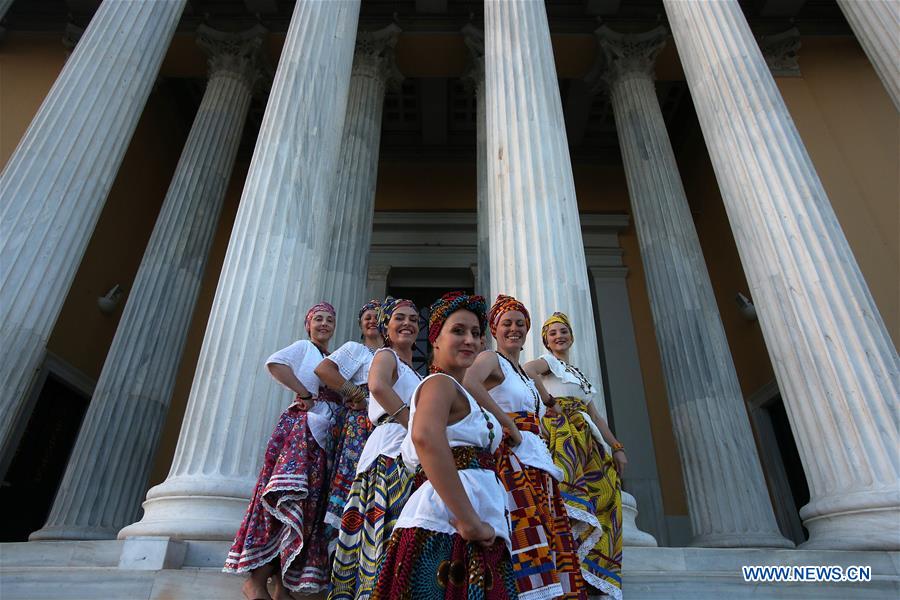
[[320, 307], [504, 304], [556, 317], [387, 309], [370, 305], [448, 304]]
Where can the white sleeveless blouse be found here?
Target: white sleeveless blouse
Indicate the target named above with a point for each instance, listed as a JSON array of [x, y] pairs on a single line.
[[515, 395], [425, 509], [387, 437]]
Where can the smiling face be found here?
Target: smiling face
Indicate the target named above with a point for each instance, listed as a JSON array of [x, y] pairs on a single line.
[[403, 328], [559, 338], [458, 342], [368, 324], [321, 327], [511, 331]]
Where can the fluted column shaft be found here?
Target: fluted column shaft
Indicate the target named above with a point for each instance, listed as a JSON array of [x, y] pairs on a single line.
[[107, 473], [353, 201], [536, 249], [270, 276], [727, 496], [876, 24], [474, 78], [56, 182], [836, 366]]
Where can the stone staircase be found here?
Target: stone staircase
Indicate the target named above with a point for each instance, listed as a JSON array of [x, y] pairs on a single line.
[[89, 570]]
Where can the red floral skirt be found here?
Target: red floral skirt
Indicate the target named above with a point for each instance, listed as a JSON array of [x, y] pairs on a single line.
[[284, 520]]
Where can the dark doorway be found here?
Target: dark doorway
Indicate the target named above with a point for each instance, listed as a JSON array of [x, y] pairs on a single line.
[[423, 297], [41, 458], [787, 447]]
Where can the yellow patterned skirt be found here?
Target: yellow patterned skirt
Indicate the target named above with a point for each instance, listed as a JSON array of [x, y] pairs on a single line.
[[592, 493]]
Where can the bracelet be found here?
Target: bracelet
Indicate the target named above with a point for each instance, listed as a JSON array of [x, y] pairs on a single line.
[[308, 396], [397, 412], [352, 391], [618, 447]]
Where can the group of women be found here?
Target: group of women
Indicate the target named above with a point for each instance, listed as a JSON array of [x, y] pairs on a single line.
[[486, 479]]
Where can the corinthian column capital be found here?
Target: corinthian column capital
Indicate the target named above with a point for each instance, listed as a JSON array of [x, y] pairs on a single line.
[[374, 55], [780, 52], [629, 54], [473, 77], [236, 54]]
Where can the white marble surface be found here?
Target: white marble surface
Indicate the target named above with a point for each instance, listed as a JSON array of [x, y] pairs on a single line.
[[726, 492], [837, 368], [270, 277], [648, 574], [55, 183], [876, 24], [106, 476], [352, 204], [536, 249]]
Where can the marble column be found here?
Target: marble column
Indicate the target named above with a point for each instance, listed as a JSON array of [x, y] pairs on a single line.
[[627, 399], [4, 6], [474, 80], [876, 24], [56, 181], [536, 250], [353, 200], [727, 496], [107, 473], [270, 276], [376, 280], [836, 366]]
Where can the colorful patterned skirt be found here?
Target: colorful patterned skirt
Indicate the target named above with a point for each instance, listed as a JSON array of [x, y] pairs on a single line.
[[284, 520], [543, 550], [352, 437], [592, 492], [373, 507], [427, 565]]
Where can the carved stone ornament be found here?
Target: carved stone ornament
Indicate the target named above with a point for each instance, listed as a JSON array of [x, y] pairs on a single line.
[[374, 55], [239, 54], [628, 54], [473, 77], [780, 51]]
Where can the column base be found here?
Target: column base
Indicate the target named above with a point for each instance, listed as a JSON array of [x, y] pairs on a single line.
[[868, 520], [631, 535], [192, 509], [741, 539], [73, 532]]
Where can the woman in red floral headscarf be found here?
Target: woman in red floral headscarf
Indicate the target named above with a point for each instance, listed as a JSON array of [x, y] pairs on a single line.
[[281, 535]]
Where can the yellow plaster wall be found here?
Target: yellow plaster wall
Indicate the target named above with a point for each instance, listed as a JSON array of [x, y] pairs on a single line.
[[83, 334], [29, 64], [852, 133]]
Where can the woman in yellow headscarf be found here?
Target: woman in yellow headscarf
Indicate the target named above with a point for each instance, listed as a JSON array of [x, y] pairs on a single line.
[[591, 486]]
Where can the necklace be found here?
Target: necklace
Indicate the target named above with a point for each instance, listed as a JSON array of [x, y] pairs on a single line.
[[408, 366], [525, 380], [583, 382]]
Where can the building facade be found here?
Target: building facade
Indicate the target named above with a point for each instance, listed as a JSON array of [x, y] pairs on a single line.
[[708, 189]]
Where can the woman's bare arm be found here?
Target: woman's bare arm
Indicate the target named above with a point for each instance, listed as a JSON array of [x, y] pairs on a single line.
[[329, 373], [619, 457], [382, 377], [429, 435], [536, 368], [486, 365], [284, 375]]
